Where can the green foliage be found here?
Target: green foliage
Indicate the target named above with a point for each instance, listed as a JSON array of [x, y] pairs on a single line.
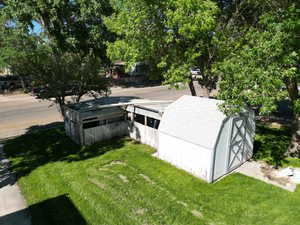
[[14, 43], [47, 66], [15, 47], [64, 60], [60, 74], [291, 162], [64, 72], [169, 35], [271, 144], [74, 26], [262, 63]]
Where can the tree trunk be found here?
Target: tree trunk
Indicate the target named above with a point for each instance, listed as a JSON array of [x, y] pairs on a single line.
[[192, 88], [61, 103], [292, 88], [294, 149], [23, 83], [78, 97]]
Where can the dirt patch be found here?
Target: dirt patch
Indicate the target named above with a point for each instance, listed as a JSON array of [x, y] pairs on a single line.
[[182, 203], [173, 198], [103, 169], [115, 163], [123, 178], [98, 183], [147, 178], [268, 172], [140, 211], [275, 122], [196, 213]]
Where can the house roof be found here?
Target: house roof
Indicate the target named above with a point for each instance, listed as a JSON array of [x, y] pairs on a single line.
[[193, 119]]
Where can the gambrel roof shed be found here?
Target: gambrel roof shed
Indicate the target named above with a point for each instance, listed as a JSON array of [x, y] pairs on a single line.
[[196, 136]]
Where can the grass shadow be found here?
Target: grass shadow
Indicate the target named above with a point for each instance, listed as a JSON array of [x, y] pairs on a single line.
[[55, 211], [37, 148], [45, 126], [271, 144]]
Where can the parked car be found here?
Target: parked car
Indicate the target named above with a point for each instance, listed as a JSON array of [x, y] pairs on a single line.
[[195, 71], [10, 82], [41, 91]]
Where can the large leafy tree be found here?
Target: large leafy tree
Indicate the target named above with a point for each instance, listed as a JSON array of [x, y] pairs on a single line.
[[74, 26], [263, 66], [172, 36], [15, 45], [60, 74], [66, 57]]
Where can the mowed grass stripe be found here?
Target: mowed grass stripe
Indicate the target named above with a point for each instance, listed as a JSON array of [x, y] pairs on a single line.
[[149, 191], [148, 200], [97, 203], [136, 194]]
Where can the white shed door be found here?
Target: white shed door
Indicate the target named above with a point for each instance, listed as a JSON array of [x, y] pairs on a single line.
[[240, 147]]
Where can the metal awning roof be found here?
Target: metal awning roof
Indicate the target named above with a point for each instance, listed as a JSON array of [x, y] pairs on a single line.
[[110, 102]]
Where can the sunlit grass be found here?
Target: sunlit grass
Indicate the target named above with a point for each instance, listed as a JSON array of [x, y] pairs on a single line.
[[119, 182]]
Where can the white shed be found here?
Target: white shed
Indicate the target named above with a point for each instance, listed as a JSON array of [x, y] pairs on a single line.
[[196, 136]]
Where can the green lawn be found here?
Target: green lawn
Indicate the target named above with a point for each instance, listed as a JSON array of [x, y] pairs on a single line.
[[119, 182], [271, 145]]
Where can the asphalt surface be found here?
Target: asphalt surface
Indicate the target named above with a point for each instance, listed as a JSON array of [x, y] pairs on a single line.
[[20, 113]]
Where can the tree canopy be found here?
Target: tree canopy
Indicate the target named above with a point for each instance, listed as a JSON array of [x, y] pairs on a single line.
[[170, 35], [75, 26], [66, 58], [263, 68]]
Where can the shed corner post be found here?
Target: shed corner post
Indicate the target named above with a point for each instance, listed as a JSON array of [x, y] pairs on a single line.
[[229, 137], [81, 131], [131, 117]]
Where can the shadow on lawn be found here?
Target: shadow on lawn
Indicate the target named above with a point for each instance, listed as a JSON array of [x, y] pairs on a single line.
[[271, 144], [40, 147], [55, 211]]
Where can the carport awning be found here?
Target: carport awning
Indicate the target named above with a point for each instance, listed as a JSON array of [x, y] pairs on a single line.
[[102, 114]]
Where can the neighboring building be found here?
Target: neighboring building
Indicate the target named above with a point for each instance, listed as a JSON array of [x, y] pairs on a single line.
[[118, 70], [138, 73], [4, 71], [190, 133]]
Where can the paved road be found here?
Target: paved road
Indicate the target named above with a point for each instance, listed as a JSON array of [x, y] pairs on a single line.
[[20, 112]]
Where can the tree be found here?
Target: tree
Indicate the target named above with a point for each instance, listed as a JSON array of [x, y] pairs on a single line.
[[15, 44], [74, 26], [264, 67], [172, 36], [58, 74], [61, 74], [65, 59]]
